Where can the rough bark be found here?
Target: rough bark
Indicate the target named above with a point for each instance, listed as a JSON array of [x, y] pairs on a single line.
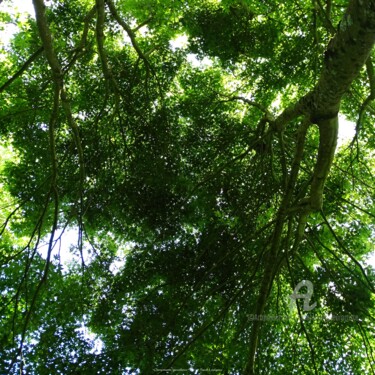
[[346, 54]]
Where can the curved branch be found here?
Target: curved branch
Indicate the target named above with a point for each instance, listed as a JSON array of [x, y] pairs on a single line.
[[268, 114], [81, 47], [128, 30], [57, 74], [328, 131], [100, 37]]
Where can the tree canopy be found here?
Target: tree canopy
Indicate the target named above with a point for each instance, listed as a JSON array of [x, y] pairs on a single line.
[[192, 147]]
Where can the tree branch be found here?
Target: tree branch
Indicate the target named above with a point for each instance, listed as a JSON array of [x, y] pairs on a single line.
[[326, 16], [367, 101], [344, 58], [346, 53], [80, 49], [128, 30], [328, 130], [268, 114], [57, 74], [271, 268], [100, 37], [348, 253], [312, 350], [23, 68]]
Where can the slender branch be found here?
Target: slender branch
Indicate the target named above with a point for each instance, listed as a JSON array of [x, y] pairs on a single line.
[[341, 262], [89, 16], [59, 92], [22, 69], [144, 23], [367, 101], [271, 268], [100, 38], [80, 49], [46, 37], [326, 16], [268, 276], [364, 183], [312, 350], [297, 160], [206, 326], [368, 347], [361, 113], [128, 30], [371, 76], [54, 165], [365, 211], [328, 131], [347, 252], [268, 114], [283, 162], [100, 8], [54, 193]]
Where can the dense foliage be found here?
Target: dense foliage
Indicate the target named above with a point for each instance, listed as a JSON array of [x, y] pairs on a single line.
[[189, 146]]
